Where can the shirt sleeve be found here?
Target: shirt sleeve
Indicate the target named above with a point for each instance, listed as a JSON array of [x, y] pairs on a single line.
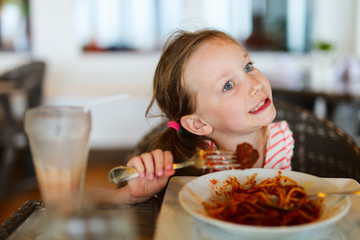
[[280, 147]]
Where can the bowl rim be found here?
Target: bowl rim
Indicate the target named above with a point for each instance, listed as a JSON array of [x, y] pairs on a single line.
[[251, 228]]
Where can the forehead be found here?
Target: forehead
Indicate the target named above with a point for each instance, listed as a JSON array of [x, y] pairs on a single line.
[[210, 54], [210, 61], [211, 48], [215, 43]]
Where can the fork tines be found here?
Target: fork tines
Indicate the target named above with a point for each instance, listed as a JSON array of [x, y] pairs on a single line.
[[220, 156]]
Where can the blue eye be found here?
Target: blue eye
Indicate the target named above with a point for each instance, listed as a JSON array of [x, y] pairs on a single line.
[[249, 67], [229, 85]]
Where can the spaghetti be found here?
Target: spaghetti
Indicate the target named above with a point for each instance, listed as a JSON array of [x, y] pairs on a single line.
[[249, 203]]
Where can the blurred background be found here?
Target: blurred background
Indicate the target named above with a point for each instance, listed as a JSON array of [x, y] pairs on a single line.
[[309, 50], [95, 48]]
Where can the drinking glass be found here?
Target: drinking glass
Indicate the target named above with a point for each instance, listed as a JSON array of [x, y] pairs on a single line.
[[59, 139]]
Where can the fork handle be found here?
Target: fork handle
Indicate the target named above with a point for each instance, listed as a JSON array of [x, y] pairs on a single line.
[[344, 193], [123, 173]]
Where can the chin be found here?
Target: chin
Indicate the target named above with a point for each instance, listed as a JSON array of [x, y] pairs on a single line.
[[270, 116]]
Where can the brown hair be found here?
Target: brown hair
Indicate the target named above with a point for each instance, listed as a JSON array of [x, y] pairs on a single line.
[[171, 94]]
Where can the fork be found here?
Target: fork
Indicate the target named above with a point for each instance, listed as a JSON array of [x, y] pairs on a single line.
[[320, 195], [204, 159]]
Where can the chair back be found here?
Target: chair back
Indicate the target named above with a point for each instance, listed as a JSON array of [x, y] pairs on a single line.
[[321, 148], [27, 78]]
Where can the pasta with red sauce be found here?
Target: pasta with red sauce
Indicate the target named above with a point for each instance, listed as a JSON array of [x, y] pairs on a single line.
[[248, 203]]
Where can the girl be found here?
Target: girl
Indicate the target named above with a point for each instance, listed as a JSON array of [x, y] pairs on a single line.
[[207, 87]]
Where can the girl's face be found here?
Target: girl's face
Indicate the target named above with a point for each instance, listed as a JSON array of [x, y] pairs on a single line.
[[233, 97]]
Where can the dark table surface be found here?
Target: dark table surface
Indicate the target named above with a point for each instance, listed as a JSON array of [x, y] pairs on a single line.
[[143, 216]]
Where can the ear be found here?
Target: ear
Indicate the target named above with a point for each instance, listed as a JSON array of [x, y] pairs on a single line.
[[195, 125]]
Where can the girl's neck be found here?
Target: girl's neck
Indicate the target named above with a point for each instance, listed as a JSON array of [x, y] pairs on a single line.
[[261, 147], [257, 140]]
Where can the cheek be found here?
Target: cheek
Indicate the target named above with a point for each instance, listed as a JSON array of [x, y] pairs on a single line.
[[268, 87], [231, 115], [265, 83]]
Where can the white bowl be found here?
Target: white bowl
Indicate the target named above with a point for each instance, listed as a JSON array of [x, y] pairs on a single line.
[[200, 189]]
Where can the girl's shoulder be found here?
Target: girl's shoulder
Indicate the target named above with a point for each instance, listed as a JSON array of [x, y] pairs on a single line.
[[280, 132], [279, 146], [277, 127]]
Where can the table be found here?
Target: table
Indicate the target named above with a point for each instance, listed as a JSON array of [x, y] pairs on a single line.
[[26, 222], [176, 224], [171, 221]]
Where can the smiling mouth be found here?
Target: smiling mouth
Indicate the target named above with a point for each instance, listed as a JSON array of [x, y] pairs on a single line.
[[261, 106]]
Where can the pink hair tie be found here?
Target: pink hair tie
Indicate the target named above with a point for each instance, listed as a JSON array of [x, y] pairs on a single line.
[[174, 125]]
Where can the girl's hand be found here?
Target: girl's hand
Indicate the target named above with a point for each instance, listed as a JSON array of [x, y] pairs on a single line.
[[154, 170]]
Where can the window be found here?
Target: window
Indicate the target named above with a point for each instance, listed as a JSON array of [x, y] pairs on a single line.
[[111, 25], [14, 25]]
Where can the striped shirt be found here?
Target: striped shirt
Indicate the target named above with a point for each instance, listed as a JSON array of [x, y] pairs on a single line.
[[279, 146]]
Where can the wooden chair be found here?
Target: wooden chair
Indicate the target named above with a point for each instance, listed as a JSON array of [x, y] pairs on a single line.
[[27, 78]]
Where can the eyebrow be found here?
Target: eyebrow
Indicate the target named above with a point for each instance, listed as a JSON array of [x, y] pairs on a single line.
[[246, 55]]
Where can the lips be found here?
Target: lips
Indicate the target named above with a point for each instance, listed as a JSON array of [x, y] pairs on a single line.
[[261, 106]]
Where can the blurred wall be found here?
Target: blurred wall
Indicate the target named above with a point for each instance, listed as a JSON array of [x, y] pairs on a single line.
[[74, 78]]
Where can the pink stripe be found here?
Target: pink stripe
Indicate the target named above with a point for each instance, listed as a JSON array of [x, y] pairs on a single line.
[[282, 149], [279, 161], [290, 143], [289, 151], [277, 133], [281, 131], [289, 136], [271, 147], [288, 166], [278, 124], [281, 140], [286, 127]]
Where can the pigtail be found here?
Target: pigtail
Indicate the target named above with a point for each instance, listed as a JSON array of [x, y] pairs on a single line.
[[166, 139]]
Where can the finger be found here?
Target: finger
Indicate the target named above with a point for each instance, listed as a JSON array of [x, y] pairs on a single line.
[[137, 163], [168, 160], [159, 161], [148, 161]]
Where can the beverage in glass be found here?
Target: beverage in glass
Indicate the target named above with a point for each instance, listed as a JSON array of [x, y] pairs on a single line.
[[59, 143]]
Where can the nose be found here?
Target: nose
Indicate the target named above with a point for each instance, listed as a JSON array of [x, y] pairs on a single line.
[[255, 86]]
